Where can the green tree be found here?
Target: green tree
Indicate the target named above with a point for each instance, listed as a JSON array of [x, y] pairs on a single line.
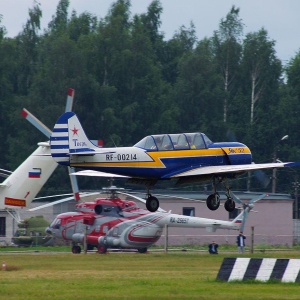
[[227, 46], [260, 62], [198, 91], [27, 43]]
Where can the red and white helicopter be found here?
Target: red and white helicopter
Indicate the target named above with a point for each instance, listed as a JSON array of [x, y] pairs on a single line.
[[110, 222], [187, 157]]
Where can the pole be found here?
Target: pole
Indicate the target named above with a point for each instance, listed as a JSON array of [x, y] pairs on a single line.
[[274, 172], [296, 186], [274, 160], [252, 240], [166, 238], [84, 239]]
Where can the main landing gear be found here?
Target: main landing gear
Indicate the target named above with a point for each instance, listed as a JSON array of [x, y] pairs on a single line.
[[213, 200], [152, 203]]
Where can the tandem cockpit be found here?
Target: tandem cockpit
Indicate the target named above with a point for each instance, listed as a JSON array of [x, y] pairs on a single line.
[[181, 141]]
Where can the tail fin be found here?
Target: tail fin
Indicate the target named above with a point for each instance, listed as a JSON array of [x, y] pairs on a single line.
[[21, 187], [240, 220], [68, 137]]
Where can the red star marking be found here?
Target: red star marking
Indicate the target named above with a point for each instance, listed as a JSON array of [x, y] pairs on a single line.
[[75, 131]]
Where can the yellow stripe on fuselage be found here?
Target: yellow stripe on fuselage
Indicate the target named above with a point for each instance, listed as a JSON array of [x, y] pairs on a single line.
[[156, 157]]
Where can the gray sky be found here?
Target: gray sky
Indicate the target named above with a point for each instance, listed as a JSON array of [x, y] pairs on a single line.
[[279, 17]]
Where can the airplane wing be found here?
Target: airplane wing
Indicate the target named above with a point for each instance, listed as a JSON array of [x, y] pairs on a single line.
[[233, 169], [97, 174], [205, 170]]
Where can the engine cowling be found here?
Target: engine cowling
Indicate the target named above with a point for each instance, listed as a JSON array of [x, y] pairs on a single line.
[[109, 241]]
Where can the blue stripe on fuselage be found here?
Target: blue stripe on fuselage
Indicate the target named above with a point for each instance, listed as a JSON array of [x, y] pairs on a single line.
[[173, 166]]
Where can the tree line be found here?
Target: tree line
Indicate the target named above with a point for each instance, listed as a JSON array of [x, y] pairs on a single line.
[[130, 82]]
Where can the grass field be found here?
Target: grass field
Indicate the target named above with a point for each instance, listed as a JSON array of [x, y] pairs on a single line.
[[183, 275]]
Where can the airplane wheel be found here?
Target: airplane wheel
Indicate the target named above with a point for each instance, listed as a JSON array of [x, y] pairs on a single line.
[[102, 249], [213, 201], [142, 250], [229, 205], [152, 204], [76, 249]]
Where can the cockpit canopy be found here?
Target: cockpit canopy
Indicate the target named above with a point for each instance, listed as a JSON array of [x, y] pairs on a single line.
[[178, 141]]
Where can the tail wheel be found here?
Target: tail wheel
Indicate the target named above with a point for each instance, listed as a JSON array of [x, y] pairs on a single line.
[[213, 201], [76, 249], [229, 205], [102, 249], [152, 204]]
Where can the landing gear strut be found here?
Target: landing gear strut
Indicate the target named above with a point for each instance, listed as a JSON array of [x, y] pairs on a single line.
[[213, 200]]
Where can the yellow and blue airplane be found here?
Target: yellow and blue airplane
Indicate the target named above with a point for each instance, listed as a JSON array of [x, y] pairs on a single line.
[[188, 157]]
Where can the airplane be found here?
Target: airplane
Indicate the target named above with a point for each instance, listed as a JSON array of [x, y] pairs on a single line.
[[21, 186], [187, 157], [111, 222]]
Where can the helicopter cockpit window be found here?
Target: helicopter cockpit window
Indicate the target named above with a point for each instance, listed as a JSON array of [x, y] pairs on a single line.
[[111, 211], [56, 224]]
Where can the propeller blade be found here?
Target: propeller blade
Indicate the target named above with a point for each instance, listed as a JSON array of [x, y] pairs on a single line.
[[61, 200], [74, 184], [73, 179], [70, 100], [245, 216], [45, 130], [36, 123], [262, 178], [258, 198], [178, 197], [235, 198]]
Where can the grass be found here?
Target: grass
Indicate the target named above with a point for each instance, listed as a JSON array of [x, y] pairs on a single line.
[[183, 275]]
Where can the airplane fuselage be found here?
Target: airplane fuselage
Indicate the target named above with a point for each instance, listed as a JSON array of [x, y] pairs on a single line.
[[139, 162]]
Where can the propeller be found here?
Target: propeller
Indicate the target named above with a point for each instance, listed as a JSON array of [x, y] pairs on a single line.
[[47, 132], [246, 206], [4, 173], [261, 176]]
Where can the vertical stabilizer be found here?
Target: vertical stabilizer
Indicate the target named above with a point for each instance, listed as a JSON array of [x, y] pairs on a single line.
[[68, 137], [22, 186]]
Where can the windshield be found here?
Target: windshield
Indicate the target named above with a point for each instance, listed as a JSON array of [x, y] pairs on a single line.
[[181, 141]]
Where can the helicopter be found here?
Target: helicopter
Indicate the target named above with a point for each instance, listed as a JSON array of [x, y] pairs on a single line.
[[112, 222], [31, 232]]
